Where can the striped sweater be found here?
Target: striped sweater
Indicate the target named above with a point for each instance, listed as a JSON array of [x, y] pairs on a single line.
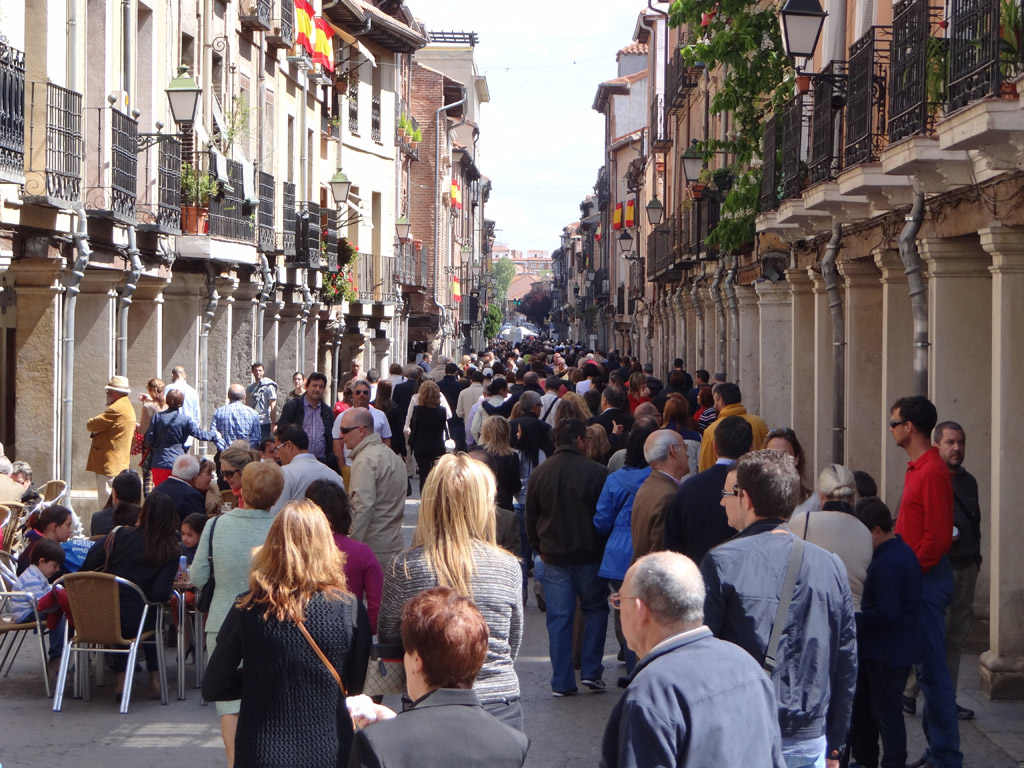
[[497, 591]]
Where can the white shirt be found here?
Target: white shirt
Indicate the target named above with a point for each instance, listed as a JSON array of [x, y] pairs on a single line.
[[380, 426], [191, 404]]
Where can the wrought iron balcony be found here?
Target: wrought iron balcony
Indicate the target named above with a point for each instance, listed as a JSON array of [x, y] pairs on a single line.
[[984, 48], [366, 277], [824, 159], [793, 169], [375, 120], [353, 101], [307, 237], [255, 15], [865, 105], [910, 112], [165, 216], [288, 219], [231, 217], [770, 167], [282, 26], [12, 114], [265, 239], [659, 136], [659, 248], [54, 175], [329, 220], [124, 166], [679, 81]]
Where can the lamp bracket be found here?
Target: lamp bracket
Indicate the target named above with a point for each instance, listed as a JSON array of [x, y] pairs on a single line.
[[147, 140]]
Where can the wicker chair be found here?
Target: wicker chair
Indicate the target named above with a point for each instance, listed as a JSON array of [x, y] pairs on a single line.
[[53, 491], [13, 533], [13, 634], [95, 600]]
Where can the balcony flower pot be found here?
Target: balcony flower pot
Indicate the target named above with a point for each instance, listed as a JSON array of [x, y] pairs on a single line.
[[195, 220], [803, 83], [1008, 90]]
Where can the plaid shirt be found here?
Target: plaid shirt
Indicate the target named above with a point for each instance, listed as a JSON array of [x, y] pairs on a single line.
[[33, 582], [236, 421]]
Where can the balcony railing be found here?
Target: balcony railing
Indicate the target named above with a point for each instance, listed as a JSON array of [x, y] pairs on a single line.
[[59, 181], [909, 110], [12, 114], [288, 219], [975, 60], [660, 137], [255, 15], [168, 207], [365, 277], [792, 147], [823, 161], [865, 104], [307, 236], [679, 80], [353, 101], [770, 168], [124, 166], [329, 220], [282, 26], [265, 240], [230, 215], [375, 120], [659, 248]]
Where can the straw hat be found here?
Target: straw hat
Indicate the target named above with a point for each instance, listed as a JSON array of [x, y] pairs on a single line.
[[119, 384]]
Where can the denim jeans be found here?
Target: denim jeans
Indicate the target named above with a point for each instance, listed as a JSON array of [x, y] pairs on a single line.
[[806, 753], [525, 550], [562, 586], [938, 717], [878, 711]]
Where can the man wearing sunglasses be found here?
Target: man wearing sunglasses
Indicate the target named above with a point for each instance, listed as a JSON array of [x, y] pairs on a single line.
[[381, 427]]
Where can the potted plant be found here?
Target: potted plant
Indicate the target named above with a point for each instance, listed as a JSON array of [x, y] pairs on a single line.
[[1011, 63], [404, 126], [803, 83], [415, 137], [197, 187]]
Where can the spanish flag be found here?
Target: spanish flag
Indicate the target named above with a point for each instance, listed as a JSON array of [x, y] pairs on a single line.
[[617, 217], [630, 212], [456, 195], [456, 289], [323, 52], [304, 34], [597, 234]]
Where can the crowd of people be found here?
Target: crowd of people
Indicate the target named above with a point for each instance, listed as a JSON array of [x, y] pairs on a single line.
[[762, 617]]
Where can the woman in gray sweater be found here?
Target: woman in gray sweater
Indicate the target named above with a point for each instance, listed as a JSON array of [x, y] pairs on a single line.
[[454, 546], [235, 535]]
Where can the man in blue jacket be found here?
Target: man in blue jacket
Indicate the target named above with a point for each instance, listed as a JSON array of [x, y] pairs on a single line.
[[815, 665], [693, 699]]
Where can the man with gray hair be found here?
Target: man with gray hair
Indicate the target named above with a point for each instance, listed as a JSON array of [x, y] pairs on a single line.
[[236, 420], [180, 489], [693, 699], [10, 490], [667, 456]]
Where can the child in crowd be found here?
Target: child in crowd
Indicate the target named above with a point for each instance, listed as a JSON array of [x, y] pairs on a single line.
[[45, 562], [887, 640], [191, 529]]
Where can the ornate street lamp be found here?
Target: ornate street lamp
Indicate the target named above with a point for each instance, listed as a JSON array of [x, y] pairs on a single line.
[[183, 94], [340, 187], [625, 242], [655, 212], [403, 227], [801, 22], [693, 162]]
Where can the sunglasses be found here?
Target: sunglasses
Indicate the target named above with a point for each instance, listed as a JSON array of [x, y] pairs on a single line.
[[896, 422], [229, 473], [736, 491], [346, 430], [361, 392]]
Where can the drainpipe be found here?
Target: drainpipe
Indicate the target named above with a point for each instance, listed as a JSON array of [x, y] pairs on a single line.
[[716, 297], [307, 305], [339, 329], [71, 291], [266, 286], [125, 301], [126, 51], [911, 257], [437, 196], [734, 319], [835, 304], [72, 44], [699, 312], [212, 299]]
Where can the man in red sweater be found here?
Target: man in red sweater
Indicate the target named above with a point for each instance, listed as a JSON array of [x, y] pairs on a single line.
[[926, 524]]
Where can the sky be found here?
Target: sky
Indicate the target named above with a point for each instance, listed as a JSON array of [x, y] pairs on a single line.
[[541, 143]]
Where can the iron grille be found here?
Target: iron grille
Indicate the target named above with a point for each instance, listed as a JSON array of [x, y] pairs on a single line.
[[375, 120], [865, 106], [365, 277], [124, 166], [712, 210], [230, 216], [12, 114], [908, 104], [696, 239], [331, 238], [307, 236], [974, 56], [353, 100], [168, 207], [792, 143], [265, 240], [658, 125], [63, 165], [770, 167], [255, 15], [620, 299], [282, 29], [679, 79], [288, 218], [826, 119]]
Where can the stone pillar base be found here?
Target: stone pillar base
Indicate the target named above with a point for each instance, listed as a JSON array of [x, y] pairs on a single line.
[[1002, 677]]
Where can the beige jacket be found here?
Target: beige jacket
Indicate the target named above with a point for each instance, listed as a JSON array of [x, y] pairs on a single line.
[[112, 438], [376, 488]]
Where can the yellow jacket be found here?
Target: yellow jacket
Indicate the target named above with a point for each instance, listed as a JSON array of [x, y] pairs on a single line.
[[707, 442], [112, 442]]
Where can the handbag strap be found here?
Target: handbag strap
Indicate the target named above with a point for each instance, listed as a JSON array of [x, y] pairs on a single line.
[[108, 546], [796, 556], [209, 547], [551, 405], [323, 657]]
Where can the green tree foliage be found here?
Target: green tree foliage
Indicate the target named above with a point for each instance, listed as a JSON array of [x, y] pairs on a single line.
[[492, 322], [504, 270]]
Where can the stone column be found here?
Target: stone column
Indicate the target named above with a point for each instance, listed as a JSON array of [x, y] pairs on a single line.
[[1002, 666], [144, 325], [863, 314], [748, 375], [821, 448], [709, 353], [774, 358], [182, 314], [897, 377], [221, 348], [682, 329], [802, 355], [689, 352], [381, 349], [244, 331], [288, 333]]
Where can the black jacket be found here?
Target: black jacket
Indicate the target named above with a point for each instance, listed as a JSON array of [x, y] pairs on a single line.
[[451, 387], [537, 436], [292, 413], [561, 501], [966, 548], [889, 608], [402, 396], [696, 521], [816, 665], [187, 500], [427, 430]]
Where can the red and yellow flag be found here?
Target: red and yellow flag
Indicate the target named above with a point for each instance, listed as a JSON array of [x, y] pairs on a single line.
[[597, 234], [304, 30], [456, 289], [630, 212], [617, 217], [456, 195], [323, 52]]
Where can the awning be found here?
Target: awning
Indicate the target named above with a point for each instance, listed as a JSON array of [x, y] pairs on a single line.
[[353, 41]]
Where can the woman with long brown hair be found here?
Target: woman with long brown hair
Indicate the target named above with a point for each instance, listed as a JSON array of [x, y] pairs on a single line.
[[269, 648], [454, 546], [677, 418], [428, 428], [153, 402]]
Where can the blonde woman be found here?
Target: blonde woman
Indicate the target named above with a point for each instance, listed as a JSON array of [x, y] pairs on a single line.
[[572, 406], [428, 428], [598, 446], [153, 402], [292, 708], [454, 546]]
